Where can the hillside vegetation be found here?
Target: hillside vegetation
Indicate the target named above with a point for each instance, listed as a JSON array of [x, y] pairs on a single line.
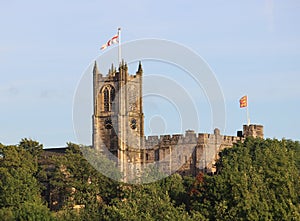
[[255, 180]]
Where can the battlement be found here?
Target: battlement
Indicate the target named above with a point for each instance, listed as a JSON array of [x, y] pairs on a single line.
[[190, 137], [115, 74], [253, 130], [118, 116]]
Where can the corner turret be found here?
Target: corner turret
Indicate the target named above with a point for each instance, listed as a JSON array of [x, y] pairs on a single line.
[[253, 130]]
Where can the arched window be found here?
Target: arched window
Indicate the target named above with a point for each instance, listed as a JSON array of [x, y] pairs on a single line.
[[108, 93]]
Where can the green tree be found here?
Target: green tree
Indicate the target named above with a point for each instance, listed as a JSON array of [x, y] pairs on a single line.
[[33, 147], [144, 202], [75, 182], [256, 180], [19, 189]]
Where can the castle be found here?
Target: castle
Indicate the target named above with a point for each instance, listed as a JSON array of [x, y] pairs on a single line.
[[118, 126]]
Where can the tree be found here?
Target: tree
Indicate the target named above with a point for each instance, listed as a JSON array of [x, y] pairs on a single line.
[[144, 202], [19, 189], [75, 182], [33, 147], [257, 179]]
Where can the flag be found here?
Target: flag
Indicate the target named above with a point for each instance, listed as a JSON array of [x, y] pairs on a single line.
[[113, 40], [244, 102]]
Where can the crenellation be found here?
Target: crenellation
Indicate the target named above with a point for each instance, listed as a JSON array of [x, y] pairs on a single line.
[[120, 118], [190, 137], [177, 136], [165, 137], [201, 138], [253, 130], [152, 139]]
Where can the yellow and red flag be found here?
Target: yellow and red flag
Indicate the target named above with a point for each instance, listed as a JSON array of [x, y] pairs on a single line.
[[244, 102]]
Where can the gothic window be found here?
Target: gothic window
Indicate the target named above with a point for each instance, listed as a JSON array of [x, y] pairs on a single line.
[[147, 156], [108, 97]]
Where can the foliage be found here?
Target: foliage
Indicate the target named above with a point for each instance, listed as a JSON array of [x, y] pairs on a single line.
[[32, 146], [144, 202], [19, 189], [255, 180], [33, 211], [76, 182]]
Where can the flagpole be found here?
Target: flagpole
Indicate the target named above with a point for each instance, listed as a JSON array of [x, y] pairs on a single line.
[[244, 103], [248, 118], [119, 48]]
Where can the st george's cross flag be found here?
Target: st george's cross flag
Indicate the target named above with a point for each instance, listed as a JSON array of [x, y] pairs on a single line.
[[113, 40], [244, 102]]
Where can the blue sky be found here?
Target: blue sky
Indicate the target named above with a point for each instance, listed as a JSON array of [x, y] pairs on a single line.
[[253, 47]]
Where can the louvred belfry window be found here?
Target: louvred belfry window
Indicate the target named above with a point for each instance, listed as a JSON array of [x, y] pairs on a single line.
[[108, 97], [111, 98]]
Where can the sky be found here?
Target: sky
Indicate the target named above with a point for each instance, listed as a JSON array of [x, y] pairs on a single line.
[[253, 48]]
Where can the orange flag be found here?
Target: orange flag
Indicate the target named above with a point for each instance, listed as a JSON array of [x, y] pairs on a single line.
[[244, 102]]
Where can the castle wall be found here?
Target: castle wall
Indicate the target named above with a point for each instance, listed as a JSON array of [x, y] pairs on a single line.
[[118, 125], [189, 153], [253, 130]]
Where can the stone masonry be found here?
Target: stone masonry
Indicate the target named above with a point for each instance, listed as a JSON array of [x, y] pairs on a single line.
[[118, 126]]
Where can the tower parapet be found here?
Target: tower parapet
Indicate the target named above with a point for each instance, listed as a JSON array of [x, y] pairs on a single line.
[[253, 130], [118, 125]]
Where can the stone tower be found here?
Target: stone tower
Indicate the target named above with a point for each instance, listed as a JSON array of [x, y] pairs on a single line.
[[118, 120], [253, 130], [118, 129]]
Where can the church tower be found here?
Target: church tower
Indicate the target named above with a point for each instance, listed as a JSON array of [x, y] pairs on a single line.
[[118, 120]]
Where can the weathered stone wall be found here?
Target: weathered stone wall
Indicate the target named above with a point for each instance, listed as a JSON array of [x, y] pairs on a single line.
[[253, 130], [186, 154], [191, 153], [118, 125]]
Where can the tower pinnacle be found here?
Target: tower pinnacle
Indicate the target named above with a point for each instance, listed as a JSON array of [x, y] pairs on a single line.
[[140, 69], [95, 69]]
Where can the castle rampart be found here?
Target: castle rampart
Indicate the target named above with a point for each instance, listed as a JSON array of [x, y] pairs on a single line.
[[118, 125], [193, 152]]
